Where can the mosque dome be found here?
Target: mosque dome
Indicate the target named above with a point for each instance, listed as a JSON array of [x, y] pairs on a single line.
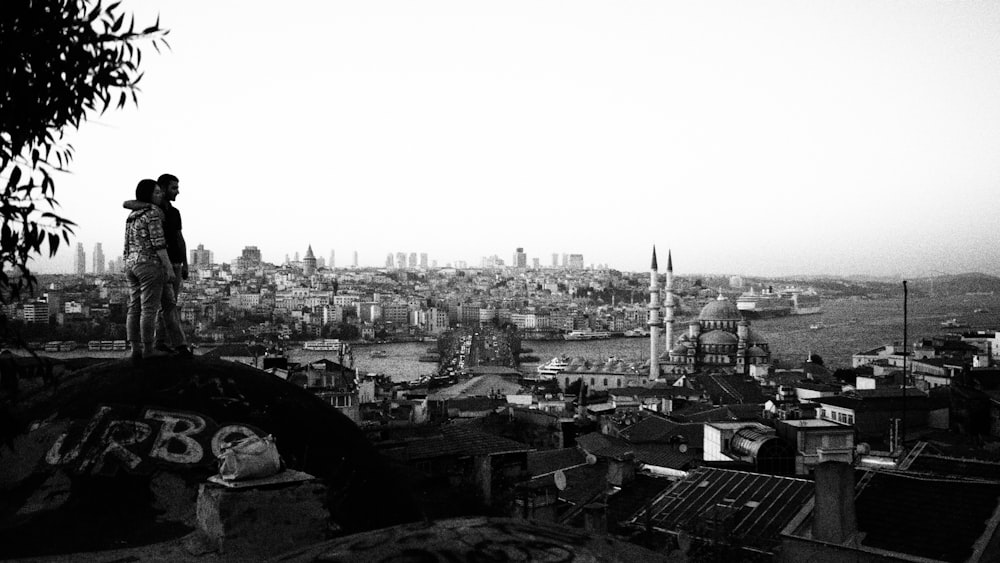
[[114, 457], [719, 337], [680, 349], [754, 337], [721, 309], [757, 352]]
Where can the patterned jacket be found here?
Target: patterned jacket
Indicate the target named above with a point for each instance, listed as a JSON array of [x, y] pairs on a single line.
[[144, 236]]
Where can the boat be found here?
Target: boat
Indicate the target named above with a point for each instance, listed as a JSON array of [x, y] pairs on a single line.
[[768, 303], [586, 335], [953, 323], [552, 368], [817, 326], [636, 333], [981, 311], [380, 354], [325, 345]]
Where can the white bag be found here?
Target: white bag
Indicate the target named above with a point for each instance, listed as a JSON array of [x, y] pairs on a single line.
[[249, 458]]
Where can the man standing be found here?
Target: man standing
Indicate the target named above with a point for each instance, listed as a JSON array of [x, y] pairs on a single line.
[[168, 326]]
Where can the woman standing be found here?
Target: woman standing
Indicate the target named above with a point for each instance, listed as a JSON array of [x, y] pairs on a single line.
[[147, 268]]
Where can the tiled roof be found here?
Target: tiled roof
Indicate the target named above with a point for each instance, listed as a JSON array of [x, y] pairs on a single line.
[[229, 351], [656, 429], [604, 446], [456, 440], [665, 455], [548, 461], [904, 514], [755, 506]]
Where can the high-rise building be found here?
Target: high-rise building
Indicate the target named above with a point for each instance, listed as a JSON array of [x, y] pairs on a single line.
[[555, 260], [333, 259], [98, 259], [388, 260], [201, 257], [400, 260], [536, 263], [520, 258], [309, 262], [576, 261], [80, 265], [413, 261], [354, 260], [423, 260], [565, 260], [251, 255]]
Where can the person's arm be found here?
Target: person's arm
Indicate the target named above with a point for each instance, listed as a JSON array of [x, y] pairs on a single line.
[[184, 252], [159, 241], [134, 204]]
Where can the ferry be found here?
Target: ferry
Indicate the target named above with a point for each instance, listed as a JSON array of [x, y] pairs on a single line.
[[586, 335], [325, 345], [552, 368], [953, 323], [380, 354], [817, 326]]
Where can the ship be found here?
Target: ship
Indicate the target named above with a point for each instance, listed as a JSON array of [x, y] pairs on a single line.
[[552, 368], [380, 354], [586, 335], [326, 345], [953, 323], [769, 303]]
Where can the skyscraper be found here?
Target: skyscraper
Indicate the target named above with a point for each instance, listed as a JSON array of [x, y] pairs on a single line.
[[520, 258], [251, 255], [423, 260], [80, 265], [201, 257], [576, 261], [354, 260], [388, 260], [400, 260], [98, 259], [333, 259], [413, 261], [555, 260]]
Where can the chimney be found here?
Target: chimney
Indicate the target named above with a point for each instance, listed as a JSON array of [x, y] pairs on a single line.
[[834, 520], [621, 470]]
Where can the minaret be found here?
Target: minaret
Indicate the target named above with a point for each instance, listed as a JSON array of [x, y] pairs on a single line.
[[654, 320], [668, 316]]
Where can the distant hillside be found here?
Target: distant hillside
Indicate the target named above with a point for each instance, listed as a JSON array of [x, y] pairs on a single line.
[[960, 284]]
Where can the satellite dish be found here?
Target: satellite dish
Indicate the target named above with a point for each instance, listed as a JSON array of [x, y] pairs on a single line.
[[560, 479], [591, 459], [683, 448]]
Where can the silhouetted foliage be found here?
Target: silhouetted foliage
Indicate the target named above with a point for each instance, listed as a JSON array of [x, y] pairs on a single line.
[[61, 61]]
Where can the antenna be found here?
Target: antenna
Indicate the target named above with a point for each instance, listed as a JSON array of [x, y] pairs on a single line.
[[902, 436]]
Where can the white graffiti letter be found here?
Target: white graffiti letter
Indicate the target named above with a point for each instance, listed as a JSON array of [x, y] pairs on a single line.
[[55, 455], [120, 433], [229, 433], [192, 451]]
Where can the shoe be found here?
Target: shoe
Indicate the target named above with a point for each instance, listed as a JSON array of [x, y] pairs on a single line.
[[162, 347], [183, 351]]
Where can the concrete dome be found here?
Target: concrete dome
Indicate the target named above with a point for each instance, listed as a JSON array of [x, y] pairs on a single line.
[[719, 337], [757, 352], [720, 310], [114, 456]]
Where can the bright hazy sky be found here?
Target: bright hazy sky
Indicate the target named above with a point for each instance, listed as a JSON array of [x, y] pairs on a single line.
[[840, 137]]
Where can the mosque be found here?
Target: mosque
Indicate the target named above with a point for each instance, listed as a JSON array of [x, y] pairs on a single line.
[[720, 340]]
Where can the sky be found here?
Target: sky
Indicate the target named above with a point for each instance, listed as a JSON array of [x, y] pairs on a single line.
[[757, 138]]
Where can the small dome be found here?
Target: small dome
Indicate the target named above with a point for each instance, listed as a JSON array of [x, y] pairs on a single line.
[[719, 337], [680, 349], [720, 310], [754, 337], [757, 352]]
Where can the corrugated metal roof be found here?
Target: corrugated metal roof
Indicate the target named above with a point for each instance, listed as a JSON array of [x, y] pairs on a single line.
[[756, 506]]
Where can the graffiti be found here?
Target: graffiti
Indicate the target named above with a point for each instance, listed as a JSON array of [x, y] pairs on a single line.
[[115, 439]]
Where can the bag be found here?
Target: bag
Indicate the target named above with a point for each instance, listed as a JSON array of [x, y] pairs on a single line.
[[249, 458]]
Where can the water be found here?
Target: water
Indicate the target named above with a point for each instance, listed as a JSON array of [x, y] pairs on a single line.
[[849, 327]]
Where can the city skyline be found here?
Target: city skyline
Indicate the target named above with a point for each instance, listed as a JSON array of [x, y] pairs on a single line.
[[762, 139]]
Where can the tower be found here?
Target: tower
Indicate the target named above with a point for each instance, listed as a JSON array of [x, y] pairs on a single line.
[[668, 316], [333, 259], [80, 267], [98, 259], [654, 319], [309, 263]]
